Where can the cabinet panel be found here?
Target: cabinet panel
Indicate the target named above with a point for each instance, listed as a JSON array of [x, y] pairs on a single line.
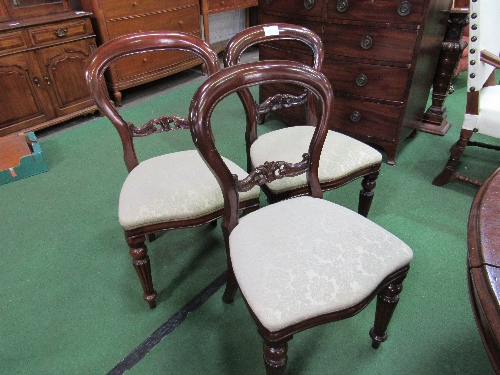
[[63, 68], [12, 41], [393, 11], [3, 13], [20, 103]]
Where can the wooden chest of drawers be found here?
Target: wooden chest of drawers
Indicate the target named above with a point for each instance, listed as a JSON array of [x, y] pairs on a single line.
[[112, 18], [41, 70], [380, 57]]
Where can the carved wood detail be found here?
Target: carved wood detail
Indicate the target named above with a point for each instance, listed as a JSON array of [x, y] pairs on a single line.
[[280, 101], [271, 171], [159, 125]]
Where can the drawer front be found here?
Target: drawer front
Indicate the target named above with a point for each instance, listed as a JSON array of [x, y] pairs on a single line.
[[390, 11], [12, 42], [140, 64], [374, 81], [292, 7], [60, 32], [365, 119], [371, 43], [184, 20], [245, 3], [220, 5], [124, 8], [367, 80]]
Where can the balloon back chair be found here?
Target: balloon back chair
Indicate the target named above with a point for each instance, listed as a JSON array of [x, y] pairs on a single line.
[[303, 261], [343, 160], [482, 113], [169, 191]]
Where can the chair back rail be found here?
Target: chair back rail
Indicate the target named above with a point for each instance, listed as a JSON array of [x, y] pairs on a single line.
[[130, 44]]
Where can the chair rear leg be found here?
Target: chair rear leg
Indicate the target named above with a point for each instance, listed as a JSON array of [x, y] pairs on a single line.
[[456, 152], [139, 253], [387, 301], [366, 194], [275, 357], [231, 282]]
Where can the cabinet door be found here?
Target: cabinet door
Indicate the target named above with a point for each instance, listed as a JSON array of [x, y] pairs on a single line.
[[62, 68], [22, 96]]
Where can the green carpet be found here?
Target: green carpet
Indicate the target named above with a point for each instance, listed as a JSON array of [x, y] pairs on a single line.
[[71, 302]]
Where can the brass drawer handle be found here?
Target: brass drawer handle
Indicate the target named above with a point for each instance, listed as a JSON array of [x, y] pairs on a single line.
[[342, 5], [47, 80], [355, 116], [36, 81], [404, 8], [361, 80], [269, 2], [308, 4], [60, 32], [366, 42]]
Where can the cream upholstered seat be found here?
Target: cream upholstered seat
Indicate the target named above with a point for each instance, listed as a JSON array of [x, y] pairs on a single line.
[[341, 155], [169, 191], [303, 261], [343, 160], [482, 114], [313, 257], [175, 192]]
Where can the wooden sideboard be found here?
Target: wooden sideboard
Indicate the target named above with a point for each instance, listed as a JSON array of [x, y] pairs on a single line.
[[218, 6], [112, 18], [380, 57], [41, 65]]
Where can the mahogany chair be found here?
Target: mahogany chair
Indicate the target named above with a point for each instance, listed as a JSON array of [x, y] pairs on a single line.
[[170, 191], [343, 160], [482, 113], [304, 261]]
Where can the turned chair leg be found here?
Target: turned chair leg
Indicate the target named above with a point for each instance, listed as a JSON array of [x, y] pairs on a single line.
[[139, 253], [275, 357], [387, 301], [456, 152], [366, 194]]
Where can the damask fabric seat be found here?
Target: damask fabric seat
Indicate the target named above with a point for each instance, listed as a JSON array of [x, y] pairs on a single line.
[[313, 257], [341, 155], [163, 189]]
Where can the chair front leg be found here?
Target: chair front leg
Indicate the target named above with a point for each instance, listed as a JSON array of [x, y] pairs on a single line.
[[275, 357], [366, 194], [387, 301], [139, 253]]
